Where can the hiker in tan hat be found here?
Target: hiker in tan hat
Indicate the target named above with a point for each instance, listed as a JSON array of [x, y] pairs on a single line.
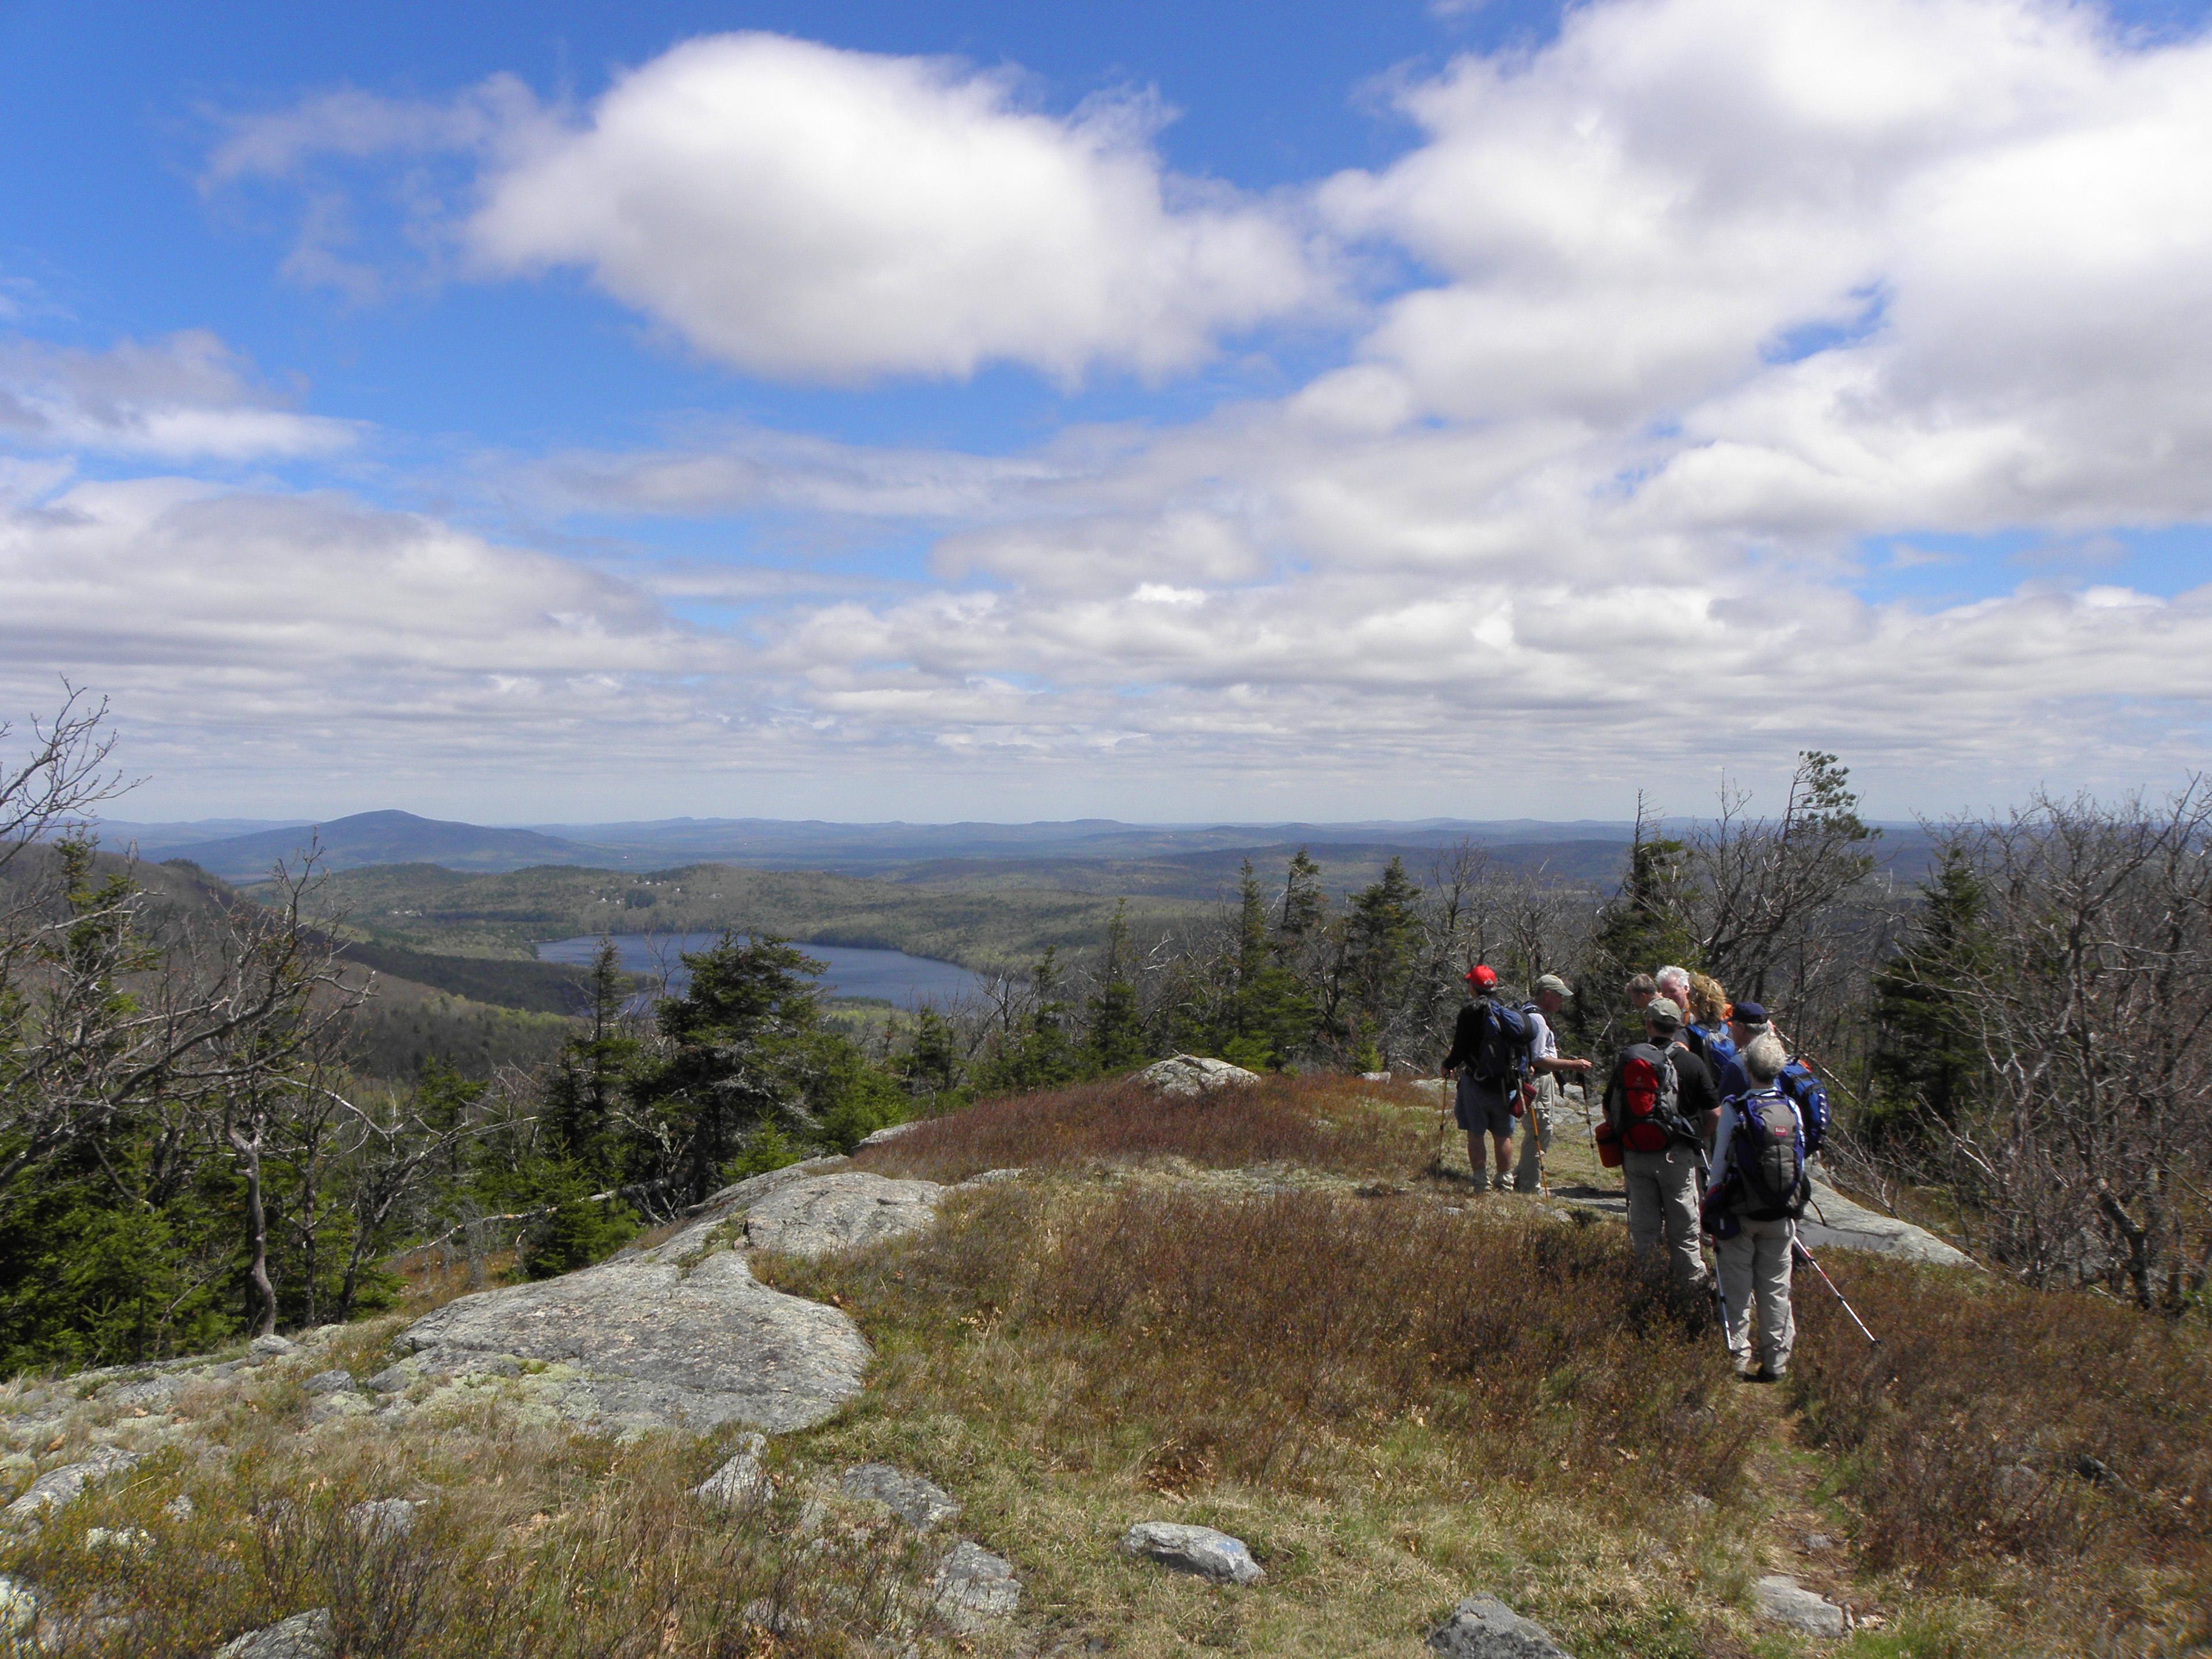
[[1659, 1103], [1546, 1068]]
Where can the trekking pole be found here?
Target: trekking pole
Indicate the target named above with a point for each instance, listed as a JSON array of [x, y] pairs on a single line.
[[1531, 1126], [1831, 1284], [1720, 1297]]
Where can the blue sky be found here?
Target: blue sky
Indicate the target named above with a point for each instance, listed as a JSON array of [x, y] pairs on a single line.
[[1152, 411]]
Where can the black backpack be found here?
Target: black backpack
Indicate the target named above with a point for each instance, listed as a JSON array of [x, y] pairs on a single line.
[[1766, 1154], [1501, 1051]]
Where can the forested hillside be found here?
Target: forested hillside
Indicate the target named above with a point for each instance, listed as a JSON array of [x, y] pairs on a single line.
[[432, 908]]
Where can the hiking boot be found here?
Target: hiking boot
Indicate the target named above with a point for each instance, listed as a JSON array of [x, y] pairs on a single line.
[[1764, 1374]]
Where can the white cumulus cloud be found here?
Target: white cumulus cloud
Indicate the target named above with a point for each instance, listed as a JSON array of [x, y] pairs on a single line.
[[803, 212]]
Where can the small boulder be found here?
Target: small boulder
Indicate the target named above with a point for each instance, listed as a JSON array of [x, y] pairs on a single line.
[[1198, 1550], [338, 1407], [154, 1394], [58, 1486], [1189, 1076], [891, 1132], [272, 1346], [738, 1481], [303, 1636], [1483, 1627], [915, 1501], [1783, 1601], [127, 1540], [393, 1379], [974, 1586], [329, 1383], [383, 1518]]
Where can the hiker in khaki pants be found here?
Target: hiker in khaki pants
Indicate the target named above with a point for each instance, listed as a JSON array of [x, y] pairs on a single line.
[[1546, 1069], [1753, 1240]]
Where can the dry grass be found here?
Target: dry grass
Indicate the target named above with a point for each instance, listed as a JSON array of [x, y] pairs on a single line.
[[1393, 1405], [531, 1543], [1312, 1122], [2050, 1451]]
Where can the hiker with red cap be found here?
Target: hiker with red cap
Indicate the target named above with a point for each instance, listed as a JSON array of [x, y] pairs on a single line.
[[1491, 1053]]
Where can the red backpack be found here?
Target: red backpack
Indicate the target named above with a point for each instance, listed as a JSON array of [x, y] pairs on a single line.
[[1650, 1113]]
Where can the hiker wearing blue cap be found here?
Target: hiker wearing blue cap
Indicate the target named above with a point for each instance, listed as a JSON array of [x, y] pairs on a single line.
[[1746, 1021]]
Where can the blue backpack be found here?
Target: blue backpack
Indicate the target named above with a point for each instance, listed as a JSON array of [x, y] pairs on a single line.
[[1501, 1054], [1766, 1156], [1811, 1100]]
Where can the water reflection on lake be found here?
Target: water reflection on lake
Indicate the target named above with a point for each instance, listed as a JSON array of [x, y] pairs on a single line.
[[889, 976]]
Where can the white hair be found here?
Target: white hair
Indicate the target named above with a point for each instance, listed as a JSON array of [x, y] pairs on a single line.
[[1679, 979], [1764, 1057]]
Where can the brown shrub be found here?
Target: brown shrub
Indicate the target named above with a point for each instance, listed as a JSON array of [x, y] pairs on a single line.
[[1249, 1338], [1995, 1426], [1320, 1123]]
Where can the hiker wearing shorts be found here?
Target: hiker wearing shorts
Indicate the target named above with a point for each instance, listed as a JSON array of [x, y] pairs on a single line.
[[1546, 1068], [1485, 1106], [1658, 1101], [1752, 1247]]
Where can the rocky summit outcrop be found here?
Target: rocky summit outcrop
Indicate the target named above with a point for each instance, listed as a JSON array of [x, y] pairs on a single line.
[[1831, 1222], [838, 1211], [1189, 1076], [664, 1339], [682, 1333]]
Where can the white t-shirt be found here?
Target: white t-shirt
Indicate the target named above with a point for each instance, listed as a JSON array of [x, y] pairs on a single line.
[[1542, 1045]]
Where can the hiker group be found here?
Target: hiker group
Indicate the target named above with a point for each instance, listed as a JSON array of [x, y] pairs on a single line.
[[1707, 1116]]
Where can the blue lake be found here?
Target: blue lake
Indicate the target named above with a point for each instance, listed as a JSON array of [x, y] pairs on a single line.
[[889, 976]]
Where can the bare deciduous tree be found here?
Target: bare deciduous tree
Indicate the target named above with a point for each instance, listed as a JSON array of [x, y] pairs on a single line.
[[2086, 1155]]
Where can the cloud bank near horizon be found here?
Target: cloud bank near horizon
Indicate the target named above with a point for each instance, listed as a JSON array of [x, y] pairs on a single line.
[[1720, 316]]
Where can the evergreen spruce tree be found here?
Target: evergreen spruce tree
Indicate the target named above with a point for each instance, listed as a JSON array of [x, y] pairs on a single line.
[[1267, 1017], [1925, 1052], [1645, 926], [1381, 937], [1038, 1054], [583, 1097], [1305, 906], [930, 1069], [1114, 1025]]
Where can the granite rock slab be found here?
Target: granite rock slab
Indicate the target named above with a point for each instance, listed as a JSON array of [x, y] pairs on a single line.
[[681, 1336]]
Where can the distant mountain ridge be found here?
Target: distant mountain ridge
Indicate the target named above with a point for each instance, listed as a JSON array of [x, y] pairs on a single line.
[[1182, 858], [389, 837]]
